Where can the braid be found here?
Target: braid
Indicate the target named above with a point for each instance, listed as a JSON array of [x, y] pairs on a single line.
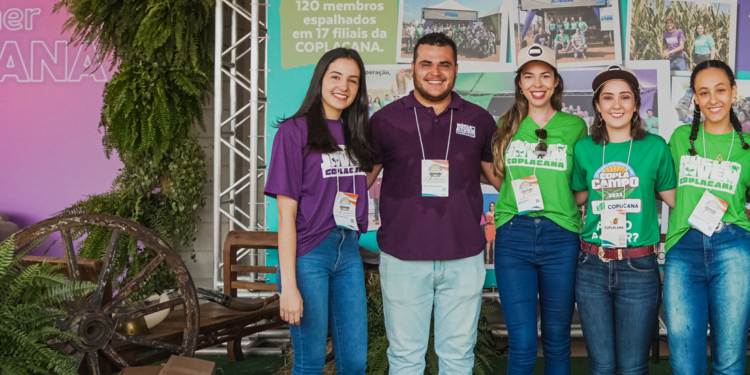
[[737, 127], [694, 130]]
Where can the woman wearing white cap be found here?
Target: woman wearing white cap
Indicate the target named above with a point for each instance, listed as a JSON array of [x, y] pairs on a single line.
[[616, 171], [537, 220]]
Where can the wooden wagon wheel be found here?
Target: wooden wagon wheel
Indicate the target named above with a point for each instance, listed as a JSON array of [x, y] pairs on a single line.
[[94, 321]]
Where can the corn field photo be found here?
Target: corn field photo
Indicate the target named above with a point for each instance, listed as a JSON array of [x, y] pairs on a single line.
[[647, 27]]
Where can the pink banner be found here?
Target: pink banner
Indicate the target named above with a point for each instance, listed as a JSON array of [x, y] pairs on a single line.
[[50, 99]]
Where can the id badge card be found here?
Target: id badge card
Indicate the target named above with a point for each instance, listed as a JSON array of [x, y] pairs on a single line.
[[345, 210], [708, 213], [614, 228], [434, 178], [528, 195]]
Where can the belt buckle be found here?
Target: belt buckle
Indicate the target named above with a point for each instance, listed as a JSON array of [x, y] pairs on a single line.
[[719, 227], [601, 256]]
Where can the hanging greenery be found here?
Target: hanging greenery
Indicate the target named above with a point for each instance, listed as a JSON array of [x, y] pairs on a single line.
[[31, 304], [163, 52]]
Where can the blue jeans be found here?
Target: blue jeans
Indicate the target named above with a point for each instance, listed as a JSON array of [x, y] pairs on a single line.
[[618, 303], [408, 43], [561, 49], [534, 255], [707, 282], [411, 290], [678, 64], [575, 50], [331, 281]]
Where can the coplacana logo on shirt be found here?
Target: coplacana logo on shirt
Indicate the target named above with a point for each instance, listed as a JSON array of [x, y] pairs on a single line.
[[338, 164], [466, 130], [707, 173], [521, 153]]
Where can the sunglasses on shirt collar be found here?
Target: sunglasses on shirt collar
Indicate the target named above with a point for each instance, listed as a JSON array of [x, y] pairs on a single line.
[[541, 148]]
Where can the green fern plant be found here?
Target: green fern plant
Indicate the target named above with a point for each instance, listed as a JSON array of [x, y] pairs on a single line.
[[31, 303], [163, 50]]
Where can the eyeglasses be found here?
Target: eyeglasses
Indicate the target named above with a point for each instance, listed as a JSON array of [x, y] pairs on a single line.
[[541, 148]]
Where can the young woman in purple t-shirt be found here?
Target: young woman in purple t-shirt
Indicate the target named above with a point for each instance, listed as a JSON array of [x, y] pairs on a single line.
[[316, 174]]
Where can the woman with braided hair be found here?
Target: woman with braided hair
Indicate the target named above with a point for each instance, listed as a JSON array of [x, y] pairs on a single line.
[[707, 277]]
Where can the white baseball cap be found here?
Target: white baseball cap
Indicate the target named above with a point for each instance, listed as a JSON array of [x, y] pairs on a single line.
[[536, 52]]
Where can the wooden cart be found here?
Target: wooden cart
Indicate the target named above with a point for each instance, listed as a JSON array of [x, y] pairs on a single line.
[[190, 326]]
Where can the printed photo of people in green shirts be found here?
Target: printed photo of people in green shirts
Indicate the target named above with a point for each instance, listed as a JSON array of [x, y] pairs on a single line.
[[579, 35], [478, 27]]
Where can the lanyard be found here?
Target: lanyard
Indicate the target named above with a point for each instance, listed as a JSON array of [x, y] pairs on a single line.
[[604, 150], [354, 180], [354, 183], [705, 150], [450, 127]]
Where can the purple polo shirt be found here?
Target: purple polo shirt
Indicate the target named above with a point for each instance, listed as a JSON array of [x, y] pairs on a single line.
[[310, 179], [414, 227], [672, 40]]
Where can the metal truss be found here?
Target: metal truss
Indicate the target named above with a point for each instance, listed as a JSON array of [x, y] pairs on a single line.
[[240, 59]]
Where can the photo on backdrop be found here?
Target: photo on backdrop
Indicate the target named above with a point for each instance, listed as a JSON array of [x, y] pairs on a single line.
[[582, 32], [479, 28], [494, 92], [685, 33], [683, 106]]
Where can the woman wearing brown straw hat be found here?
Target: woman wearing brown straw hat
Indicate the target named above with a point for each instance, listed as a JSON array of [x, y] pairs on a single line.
[[617, 280], [537, 221]]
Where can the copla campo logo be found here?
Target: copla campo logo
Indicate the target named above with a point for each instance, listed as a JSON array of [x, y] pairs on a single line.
[[345, 204], [435, 171], [616, 180], [600, 206]]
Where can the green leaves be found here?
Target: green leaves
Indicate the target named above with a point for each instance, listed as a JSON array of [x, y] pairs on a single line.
[[164, 52], [31, 304]]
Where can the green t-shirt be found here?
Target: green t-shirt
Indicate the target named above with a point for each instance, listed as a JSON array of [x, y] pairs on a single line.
[[703, 44], [553, 171], [728, 180], [552, 27], [651, 169], [419, 31], [574, 25], [562, 38], [652, 124], [566, 25], [583, 26]]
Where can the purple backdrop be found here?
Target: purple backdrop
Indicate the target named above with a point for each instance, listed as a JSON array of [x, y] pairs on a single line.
[[50, 148]]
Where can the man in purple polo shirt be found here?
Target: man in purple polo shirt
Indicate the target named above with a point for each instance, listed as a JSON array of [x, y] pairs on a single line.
[[673, 41], [432, 146]]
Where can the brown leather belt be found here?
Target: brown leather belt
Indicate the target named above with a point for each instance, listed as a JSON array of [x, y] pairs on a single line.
[[617, 254]]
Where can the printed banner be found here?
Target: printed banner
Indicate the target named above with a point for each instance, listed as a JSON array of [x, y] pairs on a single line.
[[546, 4], [311, 28]]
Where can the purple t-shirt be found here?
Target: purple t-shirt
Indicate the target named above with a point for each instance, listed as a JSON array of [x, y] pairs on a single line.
[[672, 40], [310, 179], [414, 227]]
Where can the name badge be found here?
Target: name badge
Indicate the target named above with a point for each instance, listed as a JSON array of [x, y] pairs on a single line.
[[434, 178], [708, 213], [345, 210], [614, 228], [528, 195]]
